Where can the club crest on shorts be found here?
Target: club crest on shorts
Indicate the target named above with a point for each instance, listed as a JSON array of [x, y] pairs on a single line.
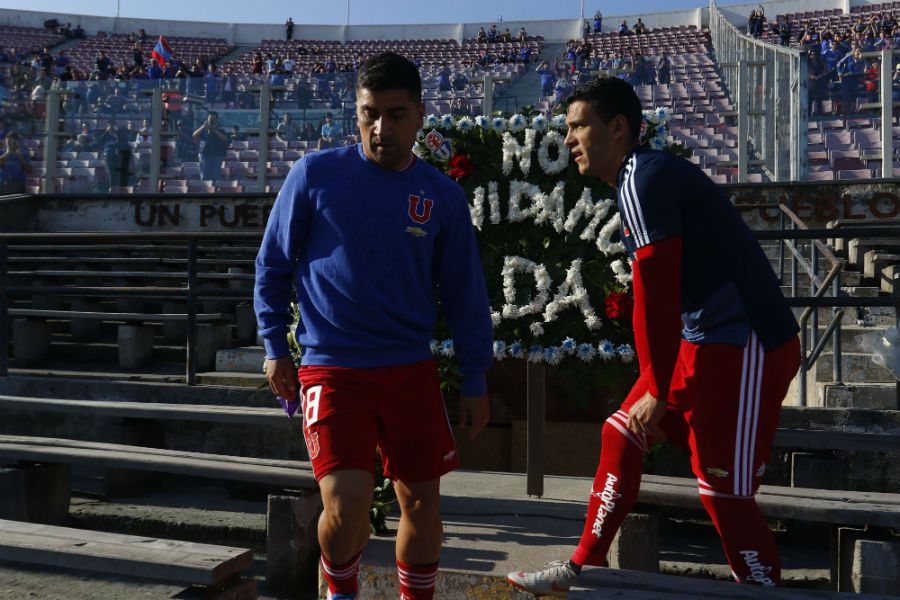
[[312, 444], [420, 214], [717, 472]]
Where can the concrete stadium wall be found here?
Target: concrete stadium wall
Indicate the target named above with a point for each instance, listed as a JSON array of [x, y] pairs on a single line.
[[252, 33], [814, 202], [552, 30]]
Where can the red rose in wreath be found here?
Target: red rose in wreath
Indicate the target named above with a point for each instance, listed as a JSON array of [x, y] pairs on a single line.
[[460, 166], [619, 306]]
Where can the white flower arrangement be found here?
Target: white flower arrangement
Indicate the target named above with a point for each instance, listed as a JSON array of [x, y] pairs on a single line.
[[496, 318], [517, 123], [430, 121], [551, 208], [559, 123], [562, 160], [498, 124], [572, 293], [539, 123], [476, 209], [447, 348], [586, 352], [483, 122], [623, 275], [606, 350], [604, 238], [536, 329], [517, 264], [552, 355], [512, 149], [626, 353], [518, 189], [494, 202], [447, 122], [465, 124]]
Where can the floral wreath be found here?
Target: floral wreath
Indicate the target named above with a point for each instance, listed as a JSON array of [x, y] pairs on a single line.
[[548, 236]]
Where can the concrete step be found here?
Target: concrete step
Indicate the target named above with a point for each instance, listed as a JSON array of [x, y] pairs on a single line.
[[855, 338], [874, 316], [879, 396], [241, 360], [857, 367], [233, 379]]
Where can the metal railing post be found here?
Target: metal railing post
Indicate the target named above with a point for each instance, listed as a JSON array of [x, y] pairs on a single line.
[[887, 121], [4, 315], [799, 117], [488, 106], [191, 368], [51, 142], [535, 426], [813, 288], [781, 252], [836, 367], [743, 105], [156, 138], [262, 159], [794, 272]]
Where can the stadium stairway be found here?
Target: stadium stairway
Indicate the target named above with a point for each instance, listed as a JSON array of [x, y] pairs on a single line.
[[865, 384], [527, 89]]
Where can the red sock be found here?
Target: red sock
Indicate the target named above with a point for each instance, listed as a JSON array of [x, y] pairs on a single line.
[[342, 579], [746, 538], [615, 490], [417, 582]]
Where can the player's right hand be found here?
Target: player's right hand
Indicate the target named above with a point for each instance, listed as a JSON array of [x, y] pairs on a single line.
[[282, 376]]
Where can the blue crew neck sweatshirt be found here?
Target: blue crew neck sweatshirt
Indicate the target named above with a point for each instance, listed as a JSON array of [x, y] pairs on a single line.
[[368, 251]]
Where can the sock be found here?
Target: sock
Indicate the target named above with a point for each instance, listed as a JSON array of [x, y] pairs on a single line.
[[575, 567], [615, 489], [746, 538], [342, 579], [417, 582]]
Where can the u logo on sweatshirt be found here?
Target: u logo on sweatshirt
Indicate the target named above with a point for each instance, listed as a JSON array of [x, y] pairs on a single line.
[[414, 209]]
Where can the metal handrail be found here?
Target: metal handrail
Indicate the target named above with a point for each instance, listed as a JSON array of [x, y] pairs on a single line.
[[819, 288], [190, 292]]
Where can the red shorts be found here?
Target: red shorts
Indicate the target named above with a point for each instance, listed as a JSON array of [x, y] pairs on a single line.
[[723, 408], [348, 412]]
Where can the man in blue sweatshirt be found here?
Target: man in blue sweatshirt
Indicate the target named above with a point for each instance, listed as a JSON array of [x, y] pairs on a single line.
[[369, 236]]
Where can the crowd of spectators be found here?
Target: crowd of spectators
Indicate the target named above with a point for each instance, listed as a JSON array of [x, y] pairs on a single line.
[[495, 36], [837, 68], [65, 29]]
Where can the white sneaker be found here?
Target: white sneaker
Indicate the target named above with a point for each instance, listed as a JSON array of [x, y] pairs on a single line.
[[554, 579]]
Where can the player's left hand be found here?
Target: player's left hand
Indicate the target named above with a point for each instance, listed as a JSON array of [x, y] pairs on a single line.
[[645, 415], [478, 409]]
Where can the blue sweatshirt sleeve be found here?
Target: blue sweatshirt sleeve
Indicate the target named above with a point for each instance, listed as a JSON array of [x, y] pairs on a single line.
[[464, 298], [277, 259]]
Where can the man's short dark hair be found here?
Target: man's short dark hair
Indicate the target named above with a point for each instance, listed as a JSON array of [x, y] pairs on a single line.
[[390, 71], [611, 96]]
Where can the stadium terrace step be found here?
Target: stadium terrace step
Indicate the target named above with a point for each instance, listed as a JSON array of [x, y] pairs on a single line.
[[241, 360], [599, 583], [855, 338], [152, 558], [233, 379], [857, 367], [880, 396]]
